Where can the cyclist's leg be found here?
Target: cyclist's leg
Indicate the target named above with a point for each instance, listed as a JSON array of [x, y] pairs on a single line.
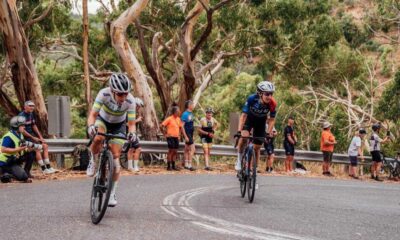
[[257, 148], [242, 143], [95, 148], [206, 151], [259, 134], [130, 156], [136, 156], [116, 152], [133, 156]]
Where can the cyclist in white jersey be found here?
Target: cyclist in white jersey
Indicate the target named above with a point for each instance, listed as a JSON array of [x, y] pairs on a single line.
[[113, 108]]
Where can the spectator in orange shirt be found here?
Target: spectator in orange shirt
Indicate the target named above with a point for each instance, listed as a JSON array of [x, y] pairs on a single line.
[[172, 127], [327, 144]]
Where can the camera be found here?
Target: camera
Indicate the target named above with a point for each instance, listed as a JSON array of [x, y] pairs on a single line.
[[31, 145]]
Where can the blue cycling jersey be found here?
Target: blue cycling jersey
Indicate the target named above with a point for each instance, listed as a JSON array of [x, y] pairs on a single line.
[[188, 118], [255, 108]]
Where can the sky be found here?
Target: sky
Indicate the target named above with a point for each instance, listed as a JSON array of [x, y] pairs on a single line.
[[93, 5]]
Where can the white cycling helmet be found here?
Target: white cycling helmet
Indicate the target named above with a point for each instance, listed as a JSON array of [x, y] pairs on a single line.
[[120, 83], [139, 102], [17, 121], [265, 86]]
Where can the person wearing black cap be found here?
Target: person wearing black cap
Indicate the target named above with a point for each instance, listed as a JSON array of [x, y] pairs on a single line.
[[12, 151], [356, 150], [375, 147], [188, 123]]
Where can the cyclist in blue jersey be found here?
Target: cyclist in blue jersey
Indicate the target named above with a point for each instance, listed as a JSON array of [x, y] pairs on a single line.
[[188, 120], [254, 117]]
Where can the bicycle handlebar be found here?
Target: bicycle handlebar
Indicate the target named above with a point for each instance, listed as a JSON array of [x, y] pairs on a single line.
[[107, 136], [237, 136]]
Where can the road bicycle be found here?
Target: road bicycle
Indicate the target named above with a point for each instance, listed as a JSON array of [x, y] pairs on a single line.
[[103, 180], [248, 174]]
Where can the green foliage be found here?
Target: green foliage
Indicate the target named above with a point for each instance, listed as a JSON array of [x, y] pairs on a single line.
[[352, 33], [228, 95], [301, 42], [389, 105]]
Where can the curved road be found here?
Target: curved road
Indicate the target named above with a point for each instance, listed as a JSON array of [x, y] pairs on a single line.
[[204, 207]]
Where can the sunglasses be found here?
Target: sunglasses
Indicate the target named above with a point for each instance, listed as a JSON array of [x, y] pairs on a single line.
[[121, 94], [31, 105], [267, 94]]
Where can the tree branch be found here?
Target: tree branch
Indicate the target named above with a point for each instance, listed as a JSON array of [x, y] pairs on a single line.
[[44, 14], [206, 81], [208, 29]]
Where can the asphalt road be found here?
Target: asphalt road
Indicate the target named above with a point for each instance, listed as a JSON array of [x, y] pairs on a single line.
[[204, 207]]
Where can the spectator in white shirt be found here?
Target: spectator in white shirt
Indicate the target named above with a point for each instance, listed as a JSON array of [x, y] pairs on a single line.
[[355, 151]]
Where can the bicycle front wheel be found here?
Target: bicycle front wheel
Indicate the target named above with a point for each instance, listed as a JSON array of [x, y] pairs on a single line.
[[102, 185], [252, 174], [242, 176]]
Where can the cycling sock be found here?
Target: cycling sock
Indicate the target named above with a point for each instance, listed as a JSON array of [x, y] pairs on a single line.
[[114, 188], [240, 155], [95, 158], [186, 163], [173, 164], [46, 161], [130, 164], [136, 163], [41, 164]]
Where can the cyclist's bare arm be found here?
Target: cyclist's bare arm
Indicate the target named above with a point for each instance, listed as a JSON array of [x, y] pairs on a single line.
[[184, 133], [92, 117], [216, 124], [271, 124], [291, 140], [242, 120], [132, 126]]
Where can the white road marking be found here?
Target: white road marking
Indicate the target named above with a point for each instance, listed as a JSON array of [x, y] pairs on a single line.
[[178, 205]]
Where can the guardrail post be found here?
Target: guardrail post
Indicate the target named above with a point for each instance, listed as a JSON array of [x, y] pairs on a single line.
[[60, 160], [59, 113]]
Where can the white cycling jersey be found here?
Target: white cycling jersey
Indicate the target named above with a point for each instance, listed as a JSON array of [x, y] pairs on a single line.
[[112, 112]]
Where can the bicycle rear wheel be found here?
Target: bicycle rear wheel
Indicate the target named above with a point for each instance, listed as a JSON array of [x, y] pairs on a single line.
[[243, 177], [252, 174], [102, 185]]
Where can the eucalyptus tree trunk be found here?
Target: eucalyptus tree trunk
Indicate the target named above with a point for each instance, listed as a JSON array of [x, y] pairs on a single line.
[[133, 68], [24, 75]]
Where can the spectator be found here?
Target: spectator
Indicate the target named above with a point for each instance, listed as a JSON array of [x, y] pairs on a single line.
[[172, 128], [32, 134], [208, 125], [327, 145], [356, 150], [188, 119], [12, 150], [270, 148], [397, 167], [375, 148], [134, 147], [289, 143]]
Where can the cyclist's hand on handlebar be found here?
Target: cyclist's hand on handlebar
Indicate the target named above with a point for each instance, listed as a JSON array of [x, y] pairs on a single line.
[[92, 130], [238, 134], [131, 137]]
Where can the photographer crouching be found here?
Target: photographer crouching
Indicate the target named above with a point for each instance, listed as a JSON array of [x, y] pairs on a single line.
[[13, 148]]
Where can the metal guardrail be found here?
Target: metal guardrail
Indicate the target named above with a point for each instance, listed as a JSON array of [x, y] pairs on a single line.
[[66, 146]]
